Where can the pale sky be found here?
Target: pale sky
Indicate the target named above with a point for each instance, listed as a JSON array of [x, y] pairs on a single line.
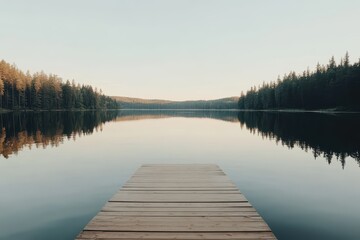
[[185, 49]]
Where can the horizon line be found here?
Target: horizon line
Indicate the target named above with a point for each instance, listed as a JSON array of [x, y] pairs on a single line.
[[172, 100]]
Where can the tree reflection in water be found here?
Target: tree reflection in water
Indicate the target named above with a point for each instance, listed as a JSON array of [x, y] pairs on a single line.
[[330, 135], [41, 129]]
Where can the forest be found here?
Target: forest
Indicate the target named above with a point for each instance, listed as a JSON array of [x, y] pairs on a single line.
[[135, 114], [138, 103], [40, 91], [332, 86]]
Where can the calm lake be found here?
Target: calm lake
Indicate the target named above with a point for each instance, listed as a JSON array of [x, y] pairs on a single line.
[[299, 170]]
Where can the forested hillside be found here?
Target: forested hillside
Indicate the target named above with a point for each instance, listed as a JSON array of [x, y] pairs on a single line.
[[40, 91], [330, 86], [138, 103]]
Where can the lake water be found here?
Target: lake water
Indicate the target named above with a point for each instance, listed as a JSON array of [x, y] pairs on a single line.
[[299, 170]]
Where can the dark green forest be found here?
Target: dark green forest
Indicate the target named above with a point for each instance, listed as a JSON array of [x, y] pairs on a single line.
[[332, 86], [40, 91]]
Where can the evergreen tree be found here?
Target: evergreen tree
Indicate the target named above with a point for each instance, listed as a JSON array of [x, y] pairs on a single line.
[[328, 87], [46, 92]]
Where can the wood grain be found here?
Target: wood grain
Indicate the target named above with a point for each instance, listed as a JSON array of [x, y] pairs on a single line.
[[178, 201]]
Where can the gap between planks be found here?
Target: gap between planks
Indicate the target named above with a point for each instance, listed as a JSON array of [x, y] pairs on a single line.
[[180, 201]]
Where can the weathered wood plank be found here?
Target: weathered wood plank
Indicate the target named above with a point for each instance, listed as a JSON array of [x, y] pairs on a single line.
[[125, 197], [178, 185], [167, 209], [185, 236], [180, 192], [230, 220], [177, 180], [177, 224], [222, 189], [231, 206], [191, 201], [171, 213]]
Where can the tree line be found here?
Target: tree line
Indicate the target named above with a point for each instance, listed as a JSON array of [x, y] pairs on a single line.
[[330, 86], [136, 114], [223, 103], [40, 91]]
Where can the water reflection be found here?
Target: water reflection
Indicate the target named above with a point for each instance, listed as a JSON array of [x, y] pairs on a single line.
[[65, 187], [129, 115], [19, 130], [330, 135]]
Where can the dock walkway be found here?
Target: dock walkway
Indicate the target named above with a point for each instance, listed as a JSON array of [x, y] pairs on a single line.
[[178, 201]]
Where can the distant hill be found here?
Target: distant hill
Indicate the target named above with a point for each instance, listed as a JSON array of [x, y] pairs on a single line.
[[139, 103], [134, 114], [139, 100]]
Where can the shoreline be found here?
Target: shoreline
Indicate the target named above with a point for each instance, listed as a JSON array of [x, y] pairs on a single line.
[[54, 110], [333, 111], [242, 110]]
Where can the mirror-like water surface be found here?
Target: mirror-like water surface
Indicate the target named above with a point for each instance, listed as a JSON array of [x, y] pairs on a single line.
[[299, 170]]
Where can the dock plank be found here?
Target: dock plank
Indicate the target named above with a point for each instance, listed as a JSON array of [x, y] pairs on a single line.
[[180, 201], [101, 235]]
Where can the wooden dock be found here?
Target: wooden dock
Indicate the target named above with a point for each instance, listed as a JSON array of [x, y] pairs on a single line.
[[178, 201]]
